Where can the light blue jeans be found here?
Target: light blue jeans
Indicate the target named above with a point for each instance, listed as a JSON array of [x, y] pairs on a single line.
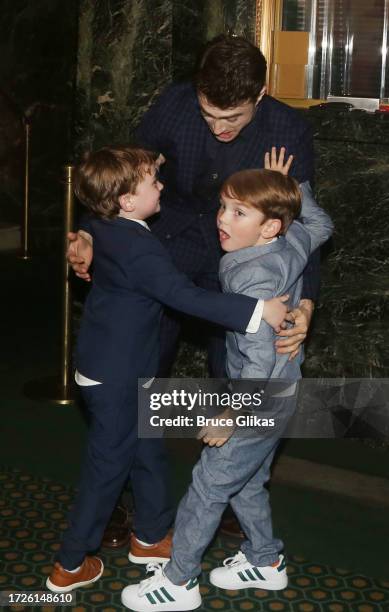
[[232, 474]]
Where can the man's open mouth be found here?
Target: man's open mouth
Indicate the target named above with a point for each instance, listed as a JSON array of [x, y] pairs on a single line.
[[225, 135]]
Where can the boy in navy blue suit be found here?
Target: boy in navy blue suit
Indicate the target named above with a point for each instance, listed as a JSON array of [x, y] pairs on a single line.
[[119, 343]]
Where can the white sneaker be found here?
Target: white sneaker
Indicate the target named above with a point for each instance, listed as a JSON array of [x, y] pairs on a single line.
[[238, 573], [158, 593]]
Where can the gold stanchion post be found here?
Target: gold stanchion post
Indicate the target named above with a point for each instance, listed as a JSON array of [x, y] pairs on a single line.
[[26, 205], [59, 389], [67, 297]]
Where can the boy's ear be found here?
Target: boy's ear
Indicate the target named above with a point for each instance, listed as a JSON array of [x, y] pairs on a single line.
[[126, 203], [271, 228]]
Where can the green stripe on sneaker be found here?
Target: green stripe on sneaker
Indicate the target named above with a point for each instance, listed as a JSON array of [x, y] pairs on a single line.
[[150, 598], [242, 577], [191, 584], [282, 565], [257, 573], [159, 597], [167, 595], [250, 575]]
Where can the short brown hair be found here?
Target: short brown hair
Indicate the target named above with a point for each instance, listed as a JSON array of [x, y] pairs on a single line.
[[108, 173], [275, 195], [231, 70]]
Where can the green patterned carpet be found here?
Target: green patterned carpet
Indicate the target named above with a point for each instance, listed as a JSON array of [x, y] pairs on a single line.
[[33, 512]]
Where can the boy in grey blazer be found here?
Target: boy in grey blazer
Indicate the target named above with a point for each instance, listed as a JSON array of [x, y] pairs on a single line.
[[264, 258]]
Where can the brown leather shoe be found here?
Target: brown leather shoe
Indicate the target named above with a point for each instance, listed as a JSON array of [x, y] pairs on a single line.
[[157, 553], [118, 531], [62, 581]]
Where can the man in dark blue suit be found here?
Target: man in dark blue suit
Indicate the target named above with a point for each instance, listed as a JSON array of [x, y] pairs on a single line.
[[205, 131]]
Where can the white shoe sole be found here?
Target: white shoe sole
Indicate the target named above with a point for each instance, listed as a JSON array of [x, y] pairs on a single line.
[[146, 560], [57, 589], [167, 607], [264, 585]]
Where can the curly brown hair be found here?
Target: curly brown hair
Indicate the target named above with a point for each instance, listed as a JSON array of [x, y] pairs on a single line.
[[108, 173], [231, 71]]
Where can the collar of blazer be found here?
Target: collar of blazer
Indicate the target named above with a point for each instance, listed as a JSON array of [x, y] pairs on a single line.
[[134, 223], [229, 260]]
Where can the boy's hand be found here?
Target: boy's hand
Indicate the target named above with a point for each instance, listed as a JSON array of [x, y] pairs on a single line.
[[214, 435], [275, 312], [272, 163], [80, 253], [295, 336], [159, 161]]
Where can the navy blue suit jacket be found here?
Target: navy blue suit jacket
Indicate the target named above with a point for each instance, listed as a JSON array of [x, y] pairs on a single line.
[[133, 276], [174, 127]]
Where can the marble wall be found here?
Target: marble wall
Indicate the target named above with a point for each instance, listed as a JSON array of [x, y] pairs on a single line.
[[124, 60], [352, 170], [130, 49], [196, 22]]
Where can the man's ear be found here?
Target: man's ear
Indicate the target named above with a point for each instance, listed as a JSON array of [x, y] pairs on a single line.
[[261, 94], [271, 228], [126, 203]]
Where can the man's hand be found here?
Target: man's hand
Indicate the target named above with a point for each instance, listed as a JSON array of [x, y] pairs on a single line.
[[275, 311], [295, 336], [80, 253], [217, 435]]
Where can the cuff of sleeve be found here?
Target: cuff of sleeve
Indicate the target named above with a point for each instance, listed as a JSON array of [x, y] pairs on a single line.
[[83, 381], [312, 295], [256, 318]]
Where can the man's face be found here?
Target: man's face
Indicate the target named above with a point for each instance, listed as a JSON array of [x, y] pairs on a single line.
[[226, 124]]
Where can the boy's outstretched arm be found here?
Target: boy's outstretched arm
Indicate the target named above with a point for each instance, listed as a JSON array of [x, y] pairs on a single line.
[[316, 221], [293, 337], [80, 256], [319, 226], [154, 275]]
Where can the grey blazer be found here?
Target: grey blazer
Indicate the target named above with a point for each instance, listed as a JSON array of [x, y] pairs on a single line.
[[265, 272]]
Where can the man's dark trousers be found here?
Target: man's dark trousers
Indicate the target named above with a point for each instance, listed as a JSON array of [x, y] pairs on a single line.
[[201, 265]]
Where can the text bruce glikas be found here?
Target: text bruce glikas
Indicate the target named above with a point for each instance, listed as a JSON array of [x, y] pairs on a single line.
[[202, 399], [243, 420]]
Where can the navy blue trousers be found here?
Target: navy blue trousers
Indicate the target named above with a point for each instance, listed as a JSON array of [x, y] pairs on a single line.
[[113, 454]]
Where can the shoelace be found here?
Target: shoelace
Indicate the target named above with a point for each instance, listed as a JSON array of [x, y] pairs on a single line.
[[235, 560], [153, 581]]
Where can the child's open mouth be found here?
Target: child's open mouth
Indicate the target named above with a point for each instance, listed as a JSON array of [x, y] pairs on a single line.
[[223, 235]]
